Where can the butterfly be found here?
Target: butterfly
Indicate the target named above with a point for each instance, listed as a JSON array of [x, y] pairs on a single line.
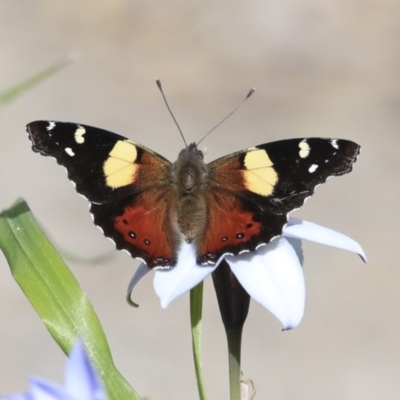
[[149, 206]]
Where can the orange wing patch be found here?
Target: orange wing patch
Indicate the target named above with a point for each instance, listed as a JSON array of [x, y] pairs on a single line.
[[140, 224], [144, 225], [230, 227]]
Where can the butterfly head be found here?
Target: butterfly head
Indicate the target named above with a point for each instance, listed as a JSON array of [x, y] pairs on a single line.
[[191, 152], [189, 172]]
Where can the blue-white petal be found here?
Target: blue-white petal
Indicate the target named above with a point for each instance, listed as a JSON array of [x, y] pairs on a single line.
[[45, 390], [300, 229], [185, 275], [81, 380], [273, 276]]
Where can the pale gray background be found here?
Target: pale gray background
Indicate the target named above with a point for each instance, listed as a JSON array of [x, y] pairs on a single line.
[[321, 68]]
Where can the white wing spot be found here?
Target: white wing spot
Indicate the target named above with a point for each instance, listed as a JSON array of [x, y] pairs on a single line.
[[313, 168], [334, 143], [69, 151], [79, 138], [51, 125], [304, 149]]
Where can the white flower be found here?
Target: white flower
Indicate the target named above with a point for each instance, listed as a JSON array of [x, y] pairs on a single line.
[[81, 382], [272, 275]]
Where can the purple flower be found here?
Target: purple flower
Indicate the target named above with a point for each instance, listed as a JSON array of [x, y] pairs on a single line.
[[81, 382], [272, 275]]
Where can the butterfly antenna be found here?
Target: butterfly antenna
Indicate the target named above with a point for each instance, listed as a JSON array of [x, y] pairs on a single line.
[[251, 91], [172, 115]]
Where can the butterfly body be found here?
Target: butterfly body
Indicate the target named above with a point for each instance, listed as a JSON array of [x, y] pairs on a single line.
[[188, 176], [149, 206]]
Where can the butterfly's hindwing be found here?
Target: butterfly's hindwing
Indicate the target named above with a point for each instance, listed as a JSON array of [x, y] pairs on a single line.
[[236, 225], [141, 224]]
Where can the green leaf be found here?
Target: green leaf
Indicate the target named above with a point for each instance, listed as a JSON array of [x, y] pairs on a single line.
[[12, 93], [56, 295], [196, 308]]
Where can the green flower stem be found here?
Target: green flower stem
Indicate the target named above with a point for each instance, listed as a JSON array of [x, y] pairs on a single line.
[[196, 307]]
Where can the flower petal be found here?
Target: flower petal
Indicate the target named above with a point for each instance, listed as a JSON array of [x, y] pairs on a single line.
[[273, 276], [297, 245], [142, 270], [186, 274], [300, 229], [81, 380], [45, 390]]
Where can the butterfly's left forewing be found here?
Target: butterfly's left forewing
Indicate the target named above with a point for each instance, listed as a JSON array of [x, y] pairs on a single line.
[[104, 166], [250, 193]]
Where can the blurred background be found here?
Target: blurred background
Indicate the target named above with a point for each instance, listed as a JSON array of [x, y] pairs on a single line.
[[321, 68]]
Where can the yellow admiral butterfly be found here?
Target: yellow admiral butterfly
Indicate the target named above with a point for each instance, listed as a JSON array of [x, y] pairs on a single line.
[[149, 205]]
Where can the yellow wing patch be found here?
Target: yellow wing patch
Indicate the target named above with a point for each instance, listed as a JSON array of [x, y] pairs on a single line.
[[260, 176], [120, 168]]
